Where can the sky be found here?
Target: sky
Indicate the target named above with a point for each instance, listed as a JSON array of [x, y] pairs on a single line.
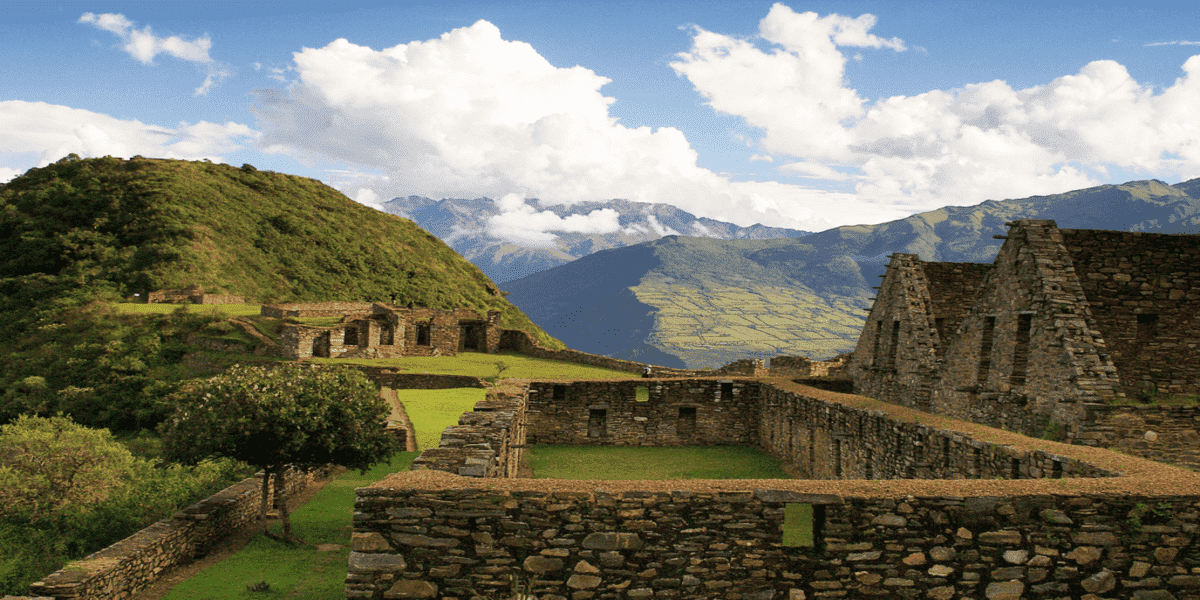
[[801, 115]]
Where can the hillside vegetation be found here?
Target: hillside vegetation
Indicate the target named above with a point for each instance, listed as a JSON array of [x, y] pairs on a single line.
[[78, 235]]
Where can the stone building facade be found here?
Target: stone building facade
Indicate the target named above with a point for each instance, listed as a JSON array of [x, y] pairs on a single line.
[[384, 330], [1063, 321], [194, 294]]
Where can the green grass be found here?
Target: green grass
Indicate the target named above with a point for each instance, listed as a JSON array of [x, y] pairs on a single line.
[[627, 462], [484, 365], [797, 525], [229, 310], [294, 571], [432, 411]]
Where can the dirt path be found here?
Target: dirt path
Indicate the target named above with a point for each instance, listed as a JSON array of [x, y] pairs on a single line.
[[399, 419], [231, 544]]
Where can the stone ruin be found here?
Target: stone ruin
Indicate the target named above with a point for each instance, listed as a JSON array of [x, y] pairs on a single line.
[[375, 330], [1055, 338], [194, 294]]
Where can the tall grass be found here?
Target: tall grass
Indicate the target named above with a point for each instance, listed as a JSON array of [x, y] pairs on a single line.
[[228, 310], [551, 461]]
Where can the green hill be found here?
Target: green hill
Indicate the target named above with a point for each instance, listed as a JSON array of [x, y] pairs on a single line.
[[78, 233]]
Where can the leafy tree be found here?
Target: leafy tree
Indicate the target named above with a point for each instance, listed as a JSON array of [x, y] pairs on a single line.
[[51, 465], [278, 418]]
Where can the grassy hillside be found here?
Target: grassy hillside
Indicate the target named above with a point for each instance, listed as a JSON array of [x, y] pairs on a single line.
[[80, 234]]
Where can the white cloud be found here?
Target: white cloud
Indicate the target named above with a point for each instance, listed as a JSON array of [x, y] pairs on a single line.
[[1174, 43], [522, 224], [470, 114], [659, 228], [960, 146], [368, 197], [7, 174], [52, 131], [143, 45]]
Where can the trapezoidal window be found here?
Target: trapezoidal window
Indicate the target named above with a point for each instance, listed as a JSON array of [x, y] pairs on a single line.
[[641, 394], [560, 392], [597, 422], [1147, 327], [351, 337], [727, 389], [1021, 350], [985, 350], [686, 425], [893, 345], [803, 524], [422, 334]]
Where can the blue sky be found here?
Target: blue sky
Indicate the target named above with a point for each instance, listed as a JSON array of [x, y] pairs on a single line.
[[797, 115]]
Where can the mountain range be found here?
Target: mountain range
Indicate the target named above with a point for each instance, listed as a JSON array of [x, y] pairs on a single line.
[[702, 302], [471, 228]]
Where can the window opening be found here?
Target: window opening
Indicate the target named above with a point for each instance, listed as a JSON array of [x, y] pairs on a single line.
[[893, 346], [837, 458], [560, 392], [726, 389], [976, 465], [642, 394], [878, 337], [351, 336], [423, 334], [1056, 470], [985, 350], [946, 453], [1021, 349], [686, 425], [803, 524], [597, 422], [869, 465], [1015, 468], [1147, 327]]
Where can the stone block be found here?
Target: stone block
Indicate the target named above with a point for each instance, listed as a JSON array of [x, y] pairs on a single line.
[[369, 542], [411, 588], [361, 561], [612, 541], [1007, 590]]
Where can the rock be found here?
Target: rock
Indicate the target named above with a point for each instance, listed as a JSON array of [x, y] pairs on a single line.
[[945, 592], [541, 565], [612, 541], [424, 541], [1165, 556], [868, 578], [1094, 538], [1056, 517], [1007, 590], [964, 533], [583, 582], [1003, 538], [1139, 569], [915, 559], [1152, 595], [861, 556], [890, 520], [1100, 582], [369, 542], [1184, 581], [898, 582], [360, 561], [940, 571], [1084, 555], [585, 568], [1016, 557], [411, 588], [941, 553]]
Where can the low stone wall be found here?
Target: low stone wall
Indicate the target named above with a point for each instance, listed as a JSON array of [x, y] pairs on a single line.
[[137, 561], [750, 367], [821, 439], [1168, 434], [466, 542], [675, 412], [520, 341], [385, 377], [220, 299], [791, 366], [315, 309], [487, 442]]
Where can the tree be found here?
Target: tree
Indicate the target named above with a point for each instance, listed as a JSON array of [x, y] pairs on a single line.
[[278, 418], [51, 465]]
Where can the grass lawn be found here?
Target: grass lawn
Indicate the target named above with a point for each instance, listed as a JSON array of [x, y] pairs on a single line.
[[484, 365], [229, 310], [432, 411], [295, 571], [551, 461]]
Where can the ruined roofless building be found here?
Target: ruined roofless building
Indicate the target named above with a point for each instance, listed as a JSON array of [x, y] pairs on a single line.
[[1060, 325], [382, 330]]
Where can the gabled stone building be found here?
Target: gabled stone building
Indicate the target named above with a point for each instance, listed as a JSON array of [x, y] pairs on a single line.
[[1063, 323], [383, 330]]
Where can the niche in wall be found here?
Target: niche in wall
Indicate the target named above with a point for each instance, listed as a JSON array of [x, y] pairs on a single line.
[[686, 425], [597, 422]]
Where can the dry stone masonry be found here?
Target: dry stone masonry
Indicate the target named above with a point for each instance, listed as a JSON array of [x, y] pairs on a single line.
[[1063, 324]]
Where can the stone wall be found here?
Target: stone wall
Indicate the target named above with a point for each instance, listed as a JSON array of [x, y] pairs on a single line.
[[1168, 434], [385, 377], [194, 294], [952, 290], [821, 439], [591, 544], [487, 442], [315, 309], [1129, 277], [135, 562], [520, 341], [790, 366], [750, 367], [675, 412]]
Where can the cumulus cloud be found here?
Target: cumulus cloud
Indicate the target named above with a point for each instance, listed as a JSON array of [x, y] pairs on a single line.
[[959, 146], [143, 45], [520, 223], [51, 131], [7, 174], [471, 114]]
